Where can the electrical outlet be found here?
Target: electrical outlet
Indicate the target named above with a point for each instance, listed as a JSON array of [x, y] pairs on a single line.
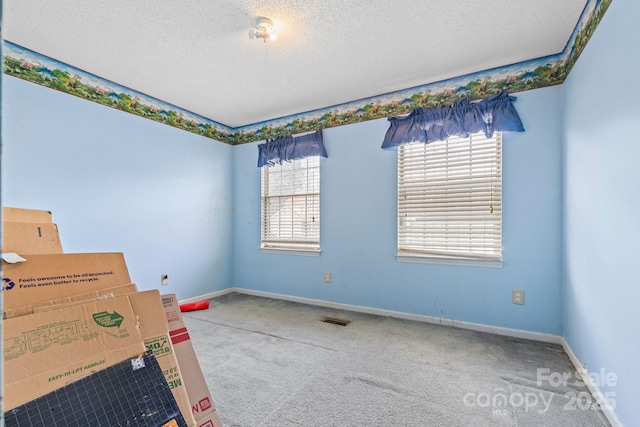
[[164, 279], [517, 296], [327, 277]]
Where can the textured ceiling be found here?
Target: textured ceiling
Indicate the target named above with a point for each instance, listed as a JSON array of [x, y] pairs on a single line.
[[196, 54]]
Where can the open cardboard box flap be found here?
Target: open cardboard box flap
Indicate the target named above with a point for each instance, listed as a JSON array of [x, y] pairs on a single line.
[[49, 277], [30, 238], [25, 215]]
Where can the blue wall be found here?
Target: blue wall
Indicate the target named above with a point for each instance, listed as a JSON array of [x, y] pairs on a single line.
[[602, 205], [119, 183], [358, 231]]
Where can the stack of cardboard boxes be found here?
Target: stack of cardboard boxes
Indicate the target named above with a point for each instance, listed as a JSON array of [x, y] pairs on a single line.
[[67, 316]]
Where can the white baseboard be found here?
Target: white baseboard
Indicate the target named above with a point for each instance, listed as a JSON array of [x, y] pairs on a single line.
[[498, 330], [517, 333], [207, 296], [591, 384]]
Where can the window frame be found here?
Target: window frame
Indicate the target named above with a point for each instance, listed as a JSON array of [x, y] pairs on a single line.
[[305, 202], [429, 254]]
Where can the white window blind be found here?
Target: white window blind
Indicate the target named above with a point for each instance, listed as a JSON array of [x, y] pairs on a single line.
[[450, 198], [291, 205]]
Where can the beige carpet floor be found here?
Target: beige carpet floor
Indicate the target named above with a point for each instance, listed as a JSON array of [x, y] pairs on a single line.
[[275, 363]]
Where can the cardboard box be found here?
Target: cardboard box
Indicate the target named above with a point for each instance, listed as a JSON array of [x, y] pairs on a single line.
[[154, 328], [202, 406], [130, 393], [26, 389], [70, 300], [47, 350], [25, 215], [152, 325], [44, 351], [87, 296], [48, 277], [30, 238]]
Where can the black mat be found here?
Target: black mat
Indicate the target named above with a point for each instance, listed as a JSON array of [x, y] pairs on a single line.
[[131, 393]]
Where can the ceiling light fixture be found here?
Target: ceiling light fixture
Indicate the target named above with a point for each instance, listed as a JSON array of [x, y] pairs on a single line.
[[263, 30]]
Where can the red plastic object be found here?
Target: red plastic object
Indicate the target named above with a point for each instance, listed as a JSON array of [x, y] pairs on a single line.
[[192, 306]]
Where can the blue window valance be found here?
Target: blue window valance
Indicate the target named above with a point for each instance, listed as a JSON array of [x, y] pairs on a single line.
[[462, 118], [287, 148]]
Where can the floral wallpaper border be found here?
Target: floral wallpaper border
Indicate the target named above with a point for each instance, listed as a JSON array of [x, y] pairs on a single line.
[[537, 73]]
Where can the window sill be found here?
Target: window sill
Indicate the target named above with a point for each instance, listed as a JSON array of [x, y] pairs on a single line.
[[298, 252], [449, 261]]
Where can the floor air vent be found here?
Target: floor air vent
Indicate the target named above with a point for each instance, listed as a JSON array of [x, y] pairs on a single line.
[[335, 321]]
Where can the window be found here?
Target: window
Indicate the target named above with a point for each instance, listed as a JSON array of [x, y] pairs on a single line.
[[450, 200], [291, 205]]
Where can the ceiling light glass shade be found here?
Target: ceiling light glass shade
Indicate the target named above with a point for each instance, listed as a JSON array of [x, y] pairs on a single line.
[[263, 30]]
